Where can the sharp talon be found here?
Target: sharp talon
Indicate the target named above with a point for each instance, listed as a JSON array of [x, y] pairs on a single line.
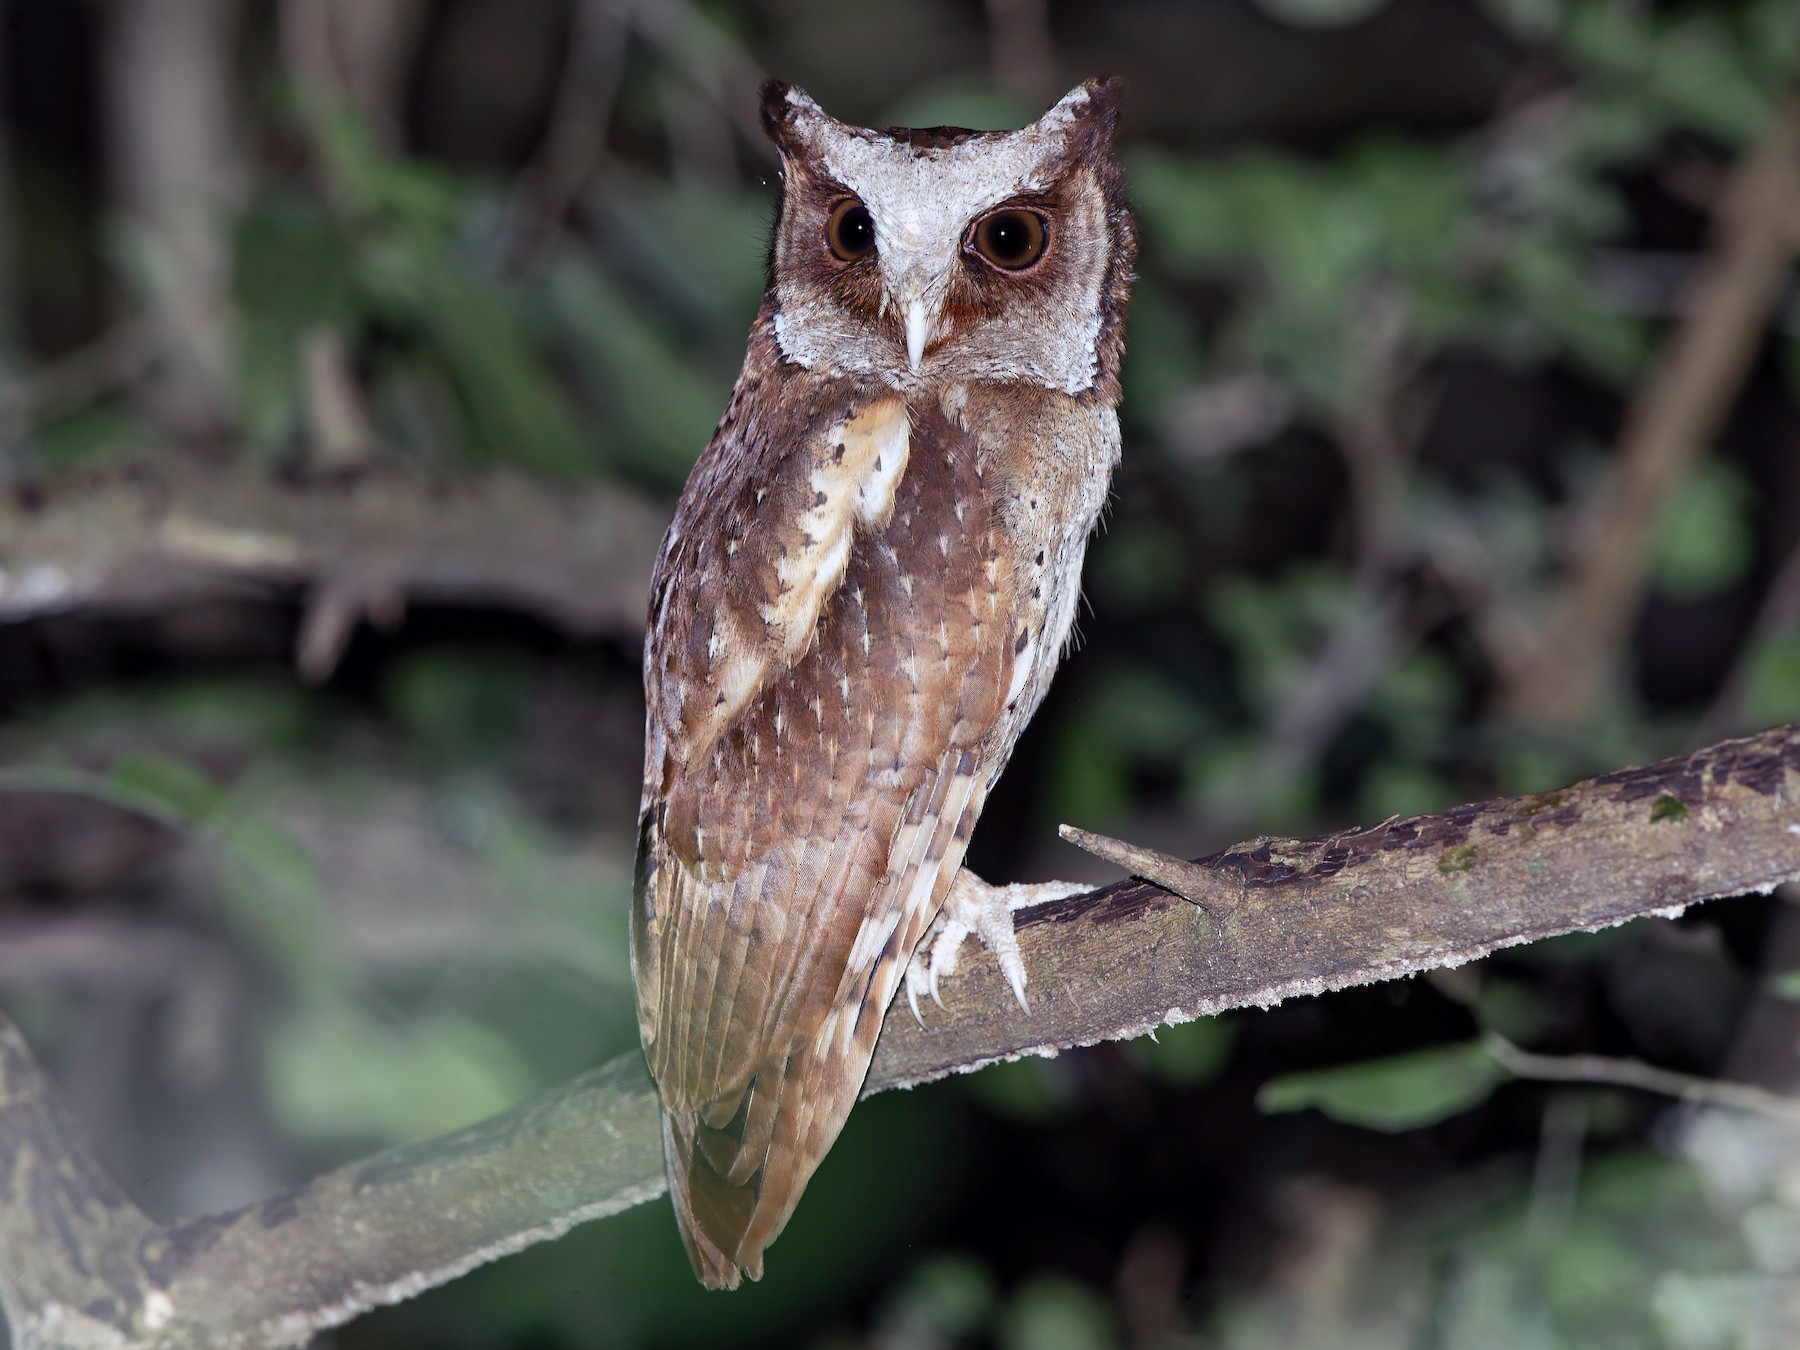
[[935, 997], [912, 999], [1015, 976]]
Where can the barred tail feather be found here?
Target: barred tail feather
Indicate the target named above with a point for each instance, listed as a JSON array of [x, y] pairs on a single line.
[[733, 1181], [734, 1178]]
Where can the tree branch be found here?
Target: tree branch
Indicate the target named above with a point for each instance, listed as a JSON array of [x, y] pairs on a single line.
[[1265, 921], [1642, 1077], [1677, 410], [166, 532]]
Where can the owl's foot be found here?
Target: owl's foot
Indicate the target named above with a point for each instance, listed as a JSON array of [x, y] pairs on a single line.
[[973, 906]]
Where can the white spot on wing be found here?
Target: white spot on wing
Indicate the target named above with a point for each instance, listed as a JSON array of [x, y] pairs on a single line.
[[892, 443], [1023, 664]]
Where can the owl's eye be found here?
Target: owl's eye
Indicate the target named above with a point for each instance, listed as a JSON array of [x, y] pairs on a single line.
[[1011, 240], [851, 230]]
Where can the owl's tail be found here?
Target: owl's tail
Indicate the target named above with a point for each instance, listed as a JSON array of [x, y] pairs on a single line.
[[734, 1176]]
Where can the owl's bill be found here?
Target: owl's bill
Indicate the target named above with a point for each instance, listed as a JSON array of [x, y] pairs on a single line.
[[918, 330]]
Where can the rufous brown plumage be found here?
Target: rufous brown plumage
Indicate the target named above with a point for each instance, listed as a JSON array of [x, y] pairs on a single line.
[[868, 583]]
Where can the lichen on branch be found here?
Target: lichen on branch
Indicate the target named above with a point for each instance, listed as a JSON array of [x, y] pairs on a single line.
[[1257, 923]]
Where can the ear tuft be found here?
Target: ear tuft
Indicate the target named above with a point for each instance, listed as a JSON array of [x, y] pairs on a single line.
[[1090, 110], [1104, 93], [783, 105]]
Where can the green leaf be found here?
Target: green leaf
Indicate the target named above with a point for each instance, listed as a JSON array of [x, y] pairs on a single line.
[[1090, 774], [272, 887], [1546, 279], [1053, 1312], [184, 791], [1785, 985], [1512, 1008], [292, 274], [1186, 1055], [1700, 79], [1398, 789], [1772, 679], [1712, 1310], [1164, 358], [663, 411], [695, 254], [334, 1071], [515, 412], [1402, 1093], [1704, 541], [1221, 775], [459, 701], [99, 433], [1029, 1089], [947, 1298]]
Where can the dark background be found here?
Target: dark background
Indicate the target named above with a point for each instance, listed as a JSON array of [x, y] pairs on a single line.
[[1408, 272]]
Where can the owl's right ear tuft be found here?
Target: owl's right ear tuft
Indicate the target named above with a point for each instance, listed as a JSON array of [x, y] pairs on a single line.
[[783, 106]]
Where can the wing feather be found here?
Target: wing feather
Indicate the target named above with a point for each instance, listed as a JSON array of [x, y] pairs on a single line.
[[820, 707]]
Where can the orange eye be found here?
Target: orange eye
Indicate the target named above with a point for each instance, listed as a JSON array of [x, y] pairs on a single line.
[[850, 232], [1011, 240]]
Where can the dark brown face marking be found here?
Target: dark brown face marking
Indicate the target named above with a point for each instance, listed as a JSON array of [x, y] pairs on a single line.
[[1022, 278]]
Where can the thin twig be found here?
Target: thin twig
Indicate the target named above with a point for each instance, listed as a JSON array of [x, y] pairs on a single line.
[[575, 142], [1360, 905], [1606, 1071], [106, 365], [1213, 891]]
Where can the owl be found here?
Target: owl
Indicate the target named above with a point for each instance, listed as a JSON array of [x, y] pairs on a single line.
[[865, 590]]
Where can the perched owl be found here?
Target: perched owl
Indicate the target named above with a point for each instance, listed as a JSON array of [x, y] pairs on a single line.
[[866, 588]]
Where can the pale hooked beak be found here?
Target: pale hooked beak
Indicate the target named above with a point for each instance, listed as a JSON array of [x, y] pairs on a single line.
[[917, 296], [918, 329]]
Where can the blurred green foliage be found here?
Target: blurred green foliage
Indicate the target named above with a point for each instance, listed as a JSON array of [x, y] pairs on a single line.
[[1273, 646], [1402, 1093]]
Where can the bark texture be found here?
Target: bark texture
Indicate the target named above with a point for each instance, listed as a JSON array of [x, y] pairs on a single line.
[[1260, 922]]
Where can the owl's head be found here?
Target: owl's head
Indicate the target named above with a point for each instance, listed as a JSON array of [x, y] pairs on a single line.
[[917, 257]]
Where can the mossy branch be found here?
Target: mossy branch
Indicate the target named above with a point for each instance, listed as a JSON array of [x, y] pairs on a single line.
[[178, 528], [1260, 922]]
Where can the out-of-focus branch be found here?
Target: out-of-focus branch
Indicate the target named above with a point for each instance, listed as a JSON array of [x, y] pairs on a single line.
[[1374, 627], [1678, 409], [359, 49], [1778, 615], [176, 528], [1634, 1073], [575, 142], [1334, 684], [110, 362], [193, 973], [1024, 56], [1263, 921], [170, 131]]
